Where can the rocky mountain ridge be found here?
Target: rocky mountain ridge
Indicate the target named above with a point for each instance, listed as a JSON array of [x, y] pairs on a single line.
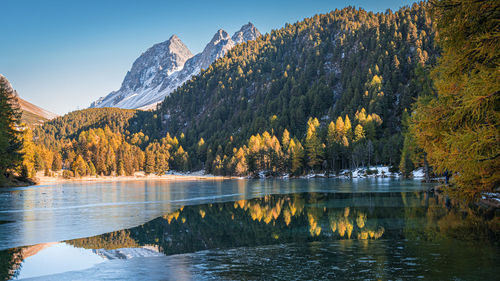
[[166, 66]]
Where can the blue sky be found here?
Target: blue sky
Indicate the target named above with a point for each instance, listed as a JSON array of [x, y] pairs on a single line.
[[62, 55]]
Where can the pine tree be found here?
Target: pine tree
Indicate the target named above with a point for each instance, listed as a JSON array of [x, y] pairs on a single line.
[[28, 152], [57, 162], [181, 159], [150, 162], [339, 129], [347, 128], [359, 133], [285, 140], [331, 145], [10, 139]]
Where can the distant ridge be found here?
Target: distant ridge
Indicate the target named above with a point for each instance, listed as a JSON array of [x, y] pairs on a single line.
[[166, 66], [31, 114]]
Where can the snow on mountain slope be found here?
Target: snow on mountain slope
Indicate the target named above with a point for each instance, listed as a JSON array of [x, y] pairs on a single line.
[[166, 66], [248, 32], [148, 72], [128, 253]]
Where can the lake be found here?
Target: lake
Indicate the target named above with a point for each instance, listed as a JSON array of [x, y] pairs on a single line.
[[302, 229]]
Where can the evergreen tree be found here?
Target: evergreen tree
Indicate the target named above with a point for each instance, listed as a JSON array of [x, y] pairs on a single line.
[[10, 139], [331, 145], [241, 167], [359, 133]]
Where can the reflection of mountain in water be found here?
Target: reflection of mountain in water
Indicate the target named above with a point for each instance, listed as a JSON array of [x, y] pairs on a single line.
[[246, 230], [11, 260], [299, 218], [128, 253]]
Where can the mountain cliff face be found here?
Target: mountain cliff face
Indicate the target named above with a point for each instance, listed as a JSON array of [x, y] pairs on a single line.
[[166, 66], [147, 75], [31, 114], [248, 32]]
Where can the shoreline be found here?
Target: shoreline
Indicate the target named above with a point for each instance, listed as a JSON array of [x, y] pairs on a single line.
[[359, 173], [43, 180]]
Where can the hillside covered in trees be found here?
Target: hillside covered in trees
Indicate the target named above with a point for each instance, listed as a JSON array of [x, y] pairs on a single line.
[[324, 94], [336, 91], [326, 67]]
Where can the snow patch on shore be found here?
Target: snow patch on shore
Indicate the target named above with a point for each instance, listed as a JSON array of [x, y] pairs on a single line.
[[361, 172], [492, 196], [200, 173], [419, 173]]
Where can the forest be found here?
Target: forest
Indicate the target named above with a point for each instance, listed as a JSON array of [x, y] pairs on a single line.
[[336, 91], [330, 65], [324, 94]]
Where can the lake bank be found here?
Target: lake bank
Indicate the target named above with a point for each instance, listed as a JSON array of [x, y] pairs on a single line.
[[14, 181], [358, 173], [44, 180]]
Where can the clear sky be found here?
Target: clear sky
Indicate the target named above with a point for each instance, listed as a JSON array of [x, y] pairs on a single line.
[[62, 55]]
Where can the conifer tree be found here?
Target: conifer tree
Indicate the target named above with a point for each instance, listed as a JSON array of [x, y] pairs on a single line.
[[10, 139], [331, 144], [459, 129], [241, 167], [57, 162], [79, 166], [359, 133], [297, 154], [313, 144]]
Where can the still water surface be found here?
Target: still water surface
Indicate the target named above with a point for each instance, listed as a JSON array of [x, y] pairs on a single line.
[[243, 229]]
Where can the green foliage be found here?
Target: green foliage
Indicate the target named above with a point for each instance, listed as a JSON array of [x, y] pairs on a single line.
[[329, 65], [459, 128], [139, 126], [10, 139], [349, 68], [264, 152]]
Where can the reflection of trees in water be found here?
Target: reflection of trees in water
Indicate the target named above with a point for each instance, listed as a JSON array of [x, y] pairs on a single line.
[[11, 263], [11, 260], [112, 240], [435, 217], [268, 220], [298, 218]]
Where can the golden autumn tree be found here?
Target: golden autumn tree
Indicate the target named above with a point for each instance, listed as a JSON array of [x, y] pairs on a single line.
[[459, 128]]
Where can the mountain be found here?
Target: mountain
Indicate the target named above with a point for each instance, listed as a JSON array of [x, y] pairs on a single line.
[[31, 114], [327, 93], [344, 64], [148, 73], [248, 32], [166, 66]]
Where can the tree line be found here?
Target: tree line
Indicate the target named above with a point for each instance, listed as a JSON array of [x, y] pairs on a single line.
[[327, 147], [340, 90]]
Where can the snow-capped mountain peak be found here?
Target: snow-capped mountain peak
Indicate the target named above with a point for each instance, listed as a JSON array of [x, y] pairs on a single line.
[[247, 32], [220, 44], [167, 65]]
